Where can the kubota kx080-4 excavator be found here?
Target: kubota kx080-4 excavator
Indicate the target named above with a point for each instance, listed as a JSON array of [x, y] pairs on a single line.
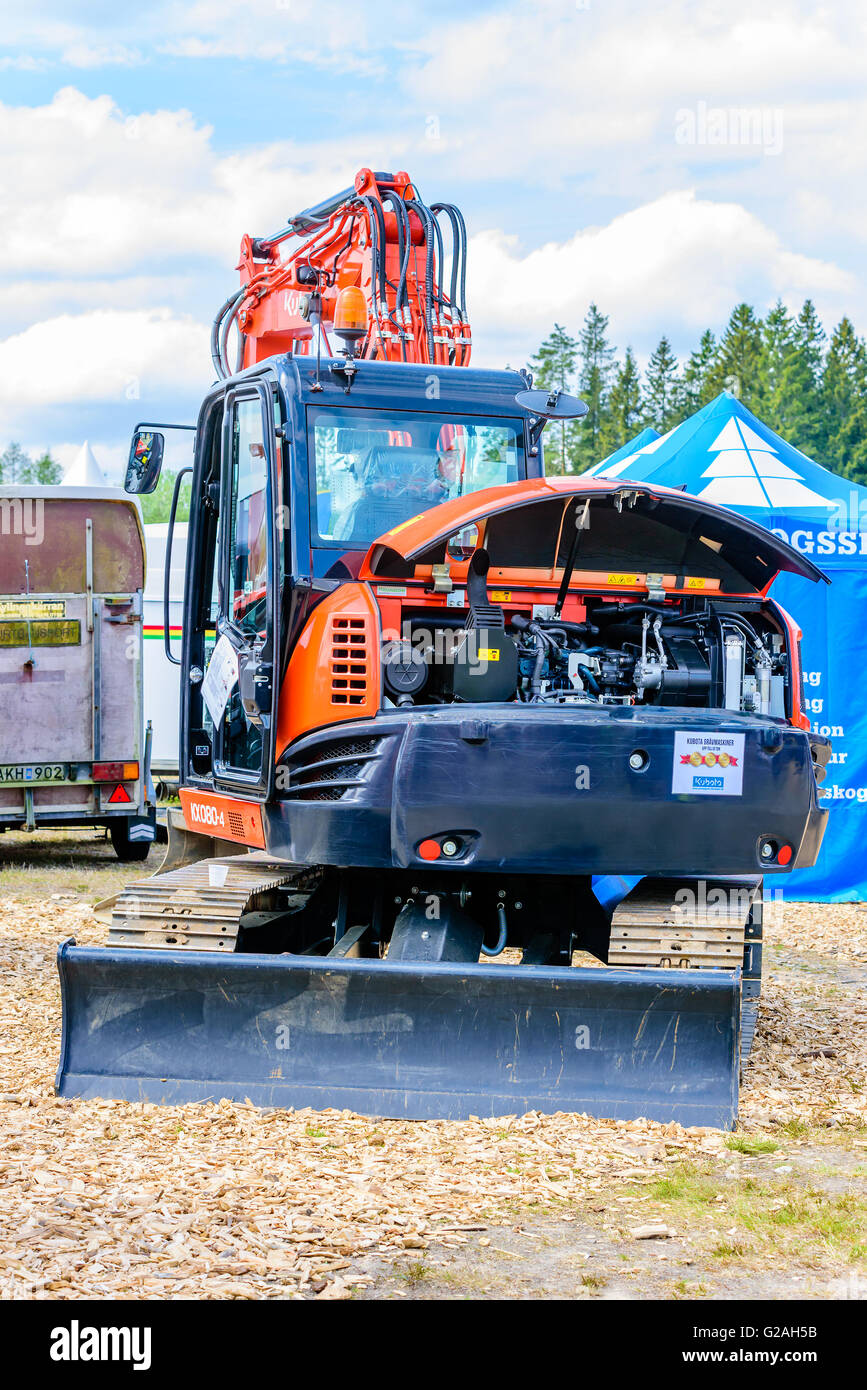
[[434, 704]]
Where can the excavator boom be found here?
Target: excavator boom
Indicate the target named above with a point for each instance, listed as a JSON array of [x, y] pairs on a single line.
[[377, 239]]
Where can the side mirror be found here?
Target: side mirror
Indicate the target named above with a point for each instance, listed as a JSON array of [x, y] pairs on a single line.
[[145, 462], [552, 405], [461, 545]]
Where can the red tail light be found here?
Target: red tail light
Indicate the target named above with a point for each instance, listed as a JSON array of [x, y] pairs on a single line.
[[115, 772]]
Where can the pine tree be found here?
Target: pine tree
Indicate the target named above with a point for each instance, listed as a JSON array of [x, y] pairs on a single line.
[[594, 382], [776, 394], [661, 403], [553, 369], [625, 406], [810, 344], [844, 390], [16, 466], [696, 387], [738, 362]]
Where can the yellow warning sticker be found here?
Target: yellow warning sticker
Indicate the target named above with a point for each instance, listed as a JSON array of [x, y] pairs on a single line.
[[501, 595], [488, 654], [696, 583], [627, 580]]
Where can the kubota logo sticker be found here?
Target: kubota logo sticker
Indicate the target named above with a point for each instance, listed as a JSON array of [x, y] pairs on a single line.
[[708, 764]]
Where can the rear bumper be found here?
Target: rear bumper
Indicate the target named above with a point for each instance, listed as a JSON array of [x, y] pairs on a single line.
[[545, 791]]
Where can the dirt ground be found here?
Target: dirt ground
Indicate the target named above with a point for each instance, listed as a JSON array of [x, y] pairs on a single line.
[[109, 1199]]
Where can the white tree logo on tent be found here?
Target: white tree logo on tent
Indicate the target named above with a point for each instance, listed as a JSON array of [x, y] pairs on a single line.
[[748, 472]]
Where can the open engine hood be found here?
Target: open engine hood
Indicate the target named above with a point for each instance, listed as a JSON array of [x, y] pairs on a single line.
[[632, 526]]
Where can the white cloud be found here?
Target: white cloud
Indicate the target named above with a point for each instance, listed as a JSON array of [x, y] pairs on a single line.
[[85, 189], [85, 55], [106, 356], [674, 265]]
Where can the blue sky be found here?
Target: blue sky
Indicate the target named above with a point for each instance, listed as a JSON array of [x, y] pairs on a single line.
[[663, 160]]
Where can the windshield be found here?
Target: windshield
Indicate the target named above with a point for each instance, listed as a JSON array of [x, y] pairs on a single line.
[[375, 469]]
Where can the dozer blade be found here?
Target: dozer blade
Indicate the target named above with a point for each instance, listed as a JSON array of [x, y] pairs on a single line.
[[399, 1040]]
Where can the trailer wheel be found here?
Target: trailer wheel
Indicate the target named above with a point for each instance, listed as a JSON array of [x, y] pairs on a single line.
[[128, 851]]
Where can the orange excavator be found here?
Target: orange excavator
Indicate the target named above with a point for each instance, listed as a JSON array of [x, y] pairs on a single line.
[[482, 772]]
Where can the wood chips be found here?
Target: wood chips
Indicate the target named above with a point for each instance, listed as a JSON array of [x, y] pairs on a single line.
[[114, 1200]]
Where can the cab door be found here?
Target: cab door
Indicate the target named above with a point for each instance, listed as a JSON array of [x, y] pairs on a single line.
[[239, 686]]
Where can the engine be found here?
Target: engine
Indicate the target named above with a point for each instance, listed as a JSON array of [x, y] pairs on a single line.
[[691, 653]]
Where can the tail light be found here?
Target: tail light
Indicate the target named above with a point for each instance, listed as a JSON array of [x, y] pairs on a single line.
[[115, 772]]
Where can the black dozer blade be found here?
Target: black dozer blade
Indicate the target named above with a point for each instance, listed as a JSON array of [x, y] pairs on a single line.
[[399, 1040]]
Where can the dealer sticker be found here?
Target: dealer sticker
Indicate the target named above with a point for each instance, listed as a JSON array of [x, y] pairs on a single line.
[[708, 764]]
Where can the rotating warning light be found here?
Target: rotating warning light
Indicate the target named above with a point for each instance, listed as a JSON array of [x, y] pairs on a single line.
[[350, 316]]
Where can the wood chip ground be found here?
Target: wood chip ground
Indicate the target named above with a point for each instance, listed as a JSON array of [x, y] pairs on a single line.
[[114, 1200]]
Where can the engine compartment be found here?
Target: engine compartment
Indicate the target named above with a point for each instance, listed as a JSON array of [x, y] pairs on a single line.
[[697, 652]]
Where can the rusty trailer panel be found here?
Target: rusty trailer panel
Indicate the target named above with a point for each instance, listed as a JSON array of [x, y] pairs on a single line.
[[71, 580]]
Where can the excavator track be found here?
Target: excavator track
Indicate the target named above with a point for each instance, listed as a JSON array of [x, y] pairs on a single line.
[[198, 907], [688, 924], [695, 924]]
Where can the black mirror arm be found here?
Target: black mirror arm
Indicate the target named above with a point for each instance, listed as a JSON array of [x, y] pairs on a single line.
[[167, 574]]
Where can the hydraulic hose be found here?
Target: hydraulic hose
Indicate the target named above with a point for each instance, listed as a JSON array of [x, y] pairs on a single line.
[[501, 939]]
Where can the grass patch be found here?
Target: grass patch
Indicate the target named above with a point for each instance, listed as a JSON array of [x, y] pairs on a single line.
[[762, 1217], [593, 1281], [313, 1133], [796, 1129], [683, 1289], [415, 1272], [729, 1250], [688, 1184], [740, 1144]]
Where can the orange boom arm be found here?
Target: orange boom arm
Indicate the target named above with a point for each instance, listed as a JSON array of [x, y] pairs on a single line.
[[376, 239]]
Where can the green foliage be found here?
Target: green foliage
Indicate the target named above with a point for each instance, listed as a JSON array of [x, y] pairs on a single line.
[[662, 390], [47, 471], [695, 387], [17, 467], [157, 505], [553, 369], [594, 381], [625, 406], [811, 391]]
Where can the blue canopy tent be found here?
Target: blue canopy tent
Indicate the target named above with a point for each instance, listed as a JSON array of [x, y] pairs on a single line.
[[647, 436], [726, 454]]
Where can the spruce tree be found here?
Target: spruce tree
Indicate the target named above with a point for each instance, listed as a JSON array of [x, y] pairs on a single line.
[[776, 394], [661, 401], [810, 346], [594, 380], [696, 387], [625, 406], [553, 369], [738, 362], [844, 390]]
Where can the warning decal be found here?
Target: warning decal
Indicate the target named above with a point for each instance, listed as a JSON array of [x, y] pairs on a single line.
[[708, 764]]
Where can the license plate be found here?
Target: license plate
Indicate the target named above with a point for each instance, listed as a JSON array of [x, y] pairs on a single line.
[[11, 773]]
